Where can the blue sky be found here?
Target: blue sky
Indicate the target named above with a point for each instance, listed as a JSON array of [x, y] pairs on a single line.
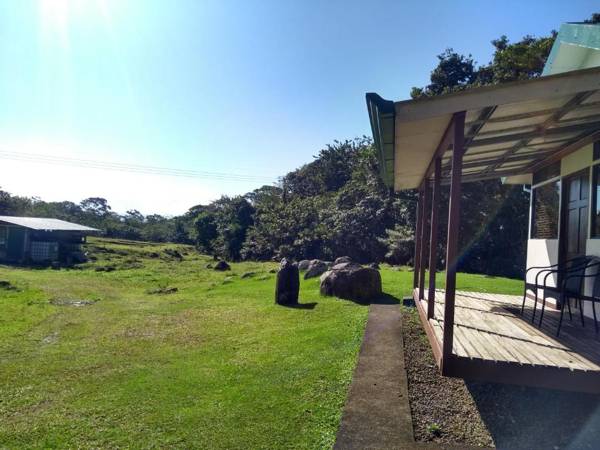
[[245, 87]]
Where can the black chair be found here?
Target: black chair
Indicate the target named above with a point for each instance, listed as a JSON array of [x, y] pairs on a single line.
[[573, 287], [578, 267], [546, 271]]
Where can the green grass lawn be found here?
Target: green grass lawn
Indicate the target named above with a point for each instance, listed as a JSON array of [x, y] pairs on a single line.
[[214, 365]]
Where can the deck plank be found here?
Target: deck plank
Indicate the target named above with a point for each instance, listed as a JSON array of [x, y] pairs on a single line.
[[487, 328]]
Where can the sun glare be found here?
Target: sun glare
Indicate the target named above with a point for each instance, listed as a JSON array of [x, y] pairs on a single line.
[[55, 12]]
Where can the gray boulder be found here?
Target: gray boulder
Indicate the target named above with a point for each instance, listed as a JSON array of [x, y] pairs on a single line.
[[342, 259], [315, 268], [351, 281], [303, 265], [288, 283]]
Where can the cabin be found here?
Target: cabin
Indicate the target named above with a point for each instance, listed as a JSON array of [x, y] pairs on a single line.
[[543, 133], [40, 240]]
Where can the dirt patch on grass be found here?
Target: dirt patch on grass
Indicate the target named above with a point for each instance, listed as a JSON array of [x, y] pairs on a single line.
[[163, 290], [72, 302], [442, 408]]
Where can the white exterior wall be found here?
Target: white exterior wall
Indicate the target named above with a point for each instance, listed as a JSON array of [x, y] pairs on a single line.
[[542, 252]]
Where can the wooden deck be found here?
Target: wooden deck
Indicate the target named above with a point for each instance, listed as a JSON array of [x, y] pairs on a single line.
[[493, 342]]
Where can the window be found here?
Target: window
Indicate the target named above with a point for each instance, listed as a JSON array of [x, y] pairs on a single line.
[[595, 232], [546, 200]]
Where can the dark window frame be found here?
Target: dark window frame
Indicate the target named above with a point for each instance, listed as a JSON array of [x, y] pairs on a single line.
[[595, 179]]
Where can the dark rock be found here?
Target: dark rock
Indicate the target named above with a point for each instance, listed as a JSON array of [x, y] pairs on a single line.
[[374, 265], [351, 281], [315, 268], [288, 283], [342, 259], [247, 274], [173, 254], [153, 255], [222, 266], [303, 265], [163, 290], [79, 257], [6, 285], [273, 271]]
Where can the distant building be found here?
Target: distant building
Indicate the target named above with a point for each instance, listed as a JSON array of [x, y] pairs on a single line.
[[40, 240]]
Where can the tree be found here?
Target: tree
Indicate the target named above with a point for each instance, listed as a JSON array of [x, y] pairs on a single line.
[[206, 231], [97, 206], [453, 72]]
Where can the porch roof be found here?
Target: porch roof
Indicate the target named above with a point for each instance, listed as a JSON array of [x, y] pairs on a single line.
[[511, 129]]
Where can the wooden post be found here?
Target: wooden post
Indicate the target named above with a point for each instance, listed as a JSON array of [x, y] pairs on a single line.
[[416, 259], [433, 237], [424, 236], [458, 132]]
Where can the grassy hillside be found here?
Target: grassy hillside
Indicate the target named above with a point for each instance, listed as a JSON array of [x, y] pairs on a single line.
[[113, 355]]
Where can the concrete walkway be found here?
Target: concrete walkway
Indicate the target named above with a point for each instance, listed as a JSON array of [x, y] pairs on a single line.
[[377, 410]]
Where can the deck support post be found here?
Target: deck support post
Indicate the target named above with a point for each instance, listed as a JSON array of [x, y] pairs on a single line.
[[433, 235], [417, 257], [457, 136], [424, 235]]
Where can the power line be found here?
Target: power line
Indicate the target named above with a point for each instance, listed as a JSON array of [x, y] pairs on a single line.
[[132, 168]]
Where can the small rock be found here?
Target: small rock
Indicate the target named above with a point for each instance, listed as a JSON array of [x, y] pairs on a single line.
[[173, 254], [209, 266], [247, 274], [273, 271], [288, 283], [222, 266], [316, 268], [163, 290], [153, 255], [6, 285], [303, 265], [342, 259]]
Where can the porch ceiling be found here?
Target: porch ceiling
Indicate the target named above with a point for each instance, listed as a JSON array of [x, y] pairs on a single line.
[[511, 129]]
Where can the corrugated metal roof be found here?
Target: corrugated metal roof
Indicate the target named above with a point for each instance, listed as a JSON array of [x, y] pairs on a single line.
[[40, 223], [510, 129]]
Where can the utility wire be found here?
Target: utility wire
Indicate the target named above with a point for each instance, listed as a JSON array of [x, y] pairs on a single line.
[[133, 168]]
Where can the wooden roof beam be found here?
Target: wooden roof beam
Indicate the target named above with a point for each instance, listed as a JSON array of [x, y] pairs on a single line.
[[544, 127]]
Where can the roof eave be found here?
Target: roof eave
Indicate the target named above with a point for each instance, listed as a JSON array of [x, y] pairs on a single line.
[[382, 115]]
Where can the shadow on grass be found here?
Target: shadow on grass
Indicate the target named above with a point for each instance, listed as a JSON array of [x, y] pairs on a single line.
[[520, 417], [384, 299], [310, 305]]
